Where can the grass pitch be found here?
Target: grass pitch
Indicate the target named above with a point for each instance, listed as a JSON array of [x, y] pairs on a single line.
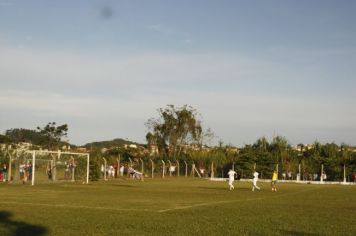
[[176, 206]]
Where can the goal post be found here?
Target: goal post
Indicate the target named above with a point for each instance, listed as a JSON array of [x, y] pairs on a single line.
[[59, 165]]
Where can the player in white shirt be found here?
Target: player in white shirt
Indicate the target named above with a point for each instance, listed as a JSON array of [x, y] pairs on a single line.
[[231, 175], [135, 174], [254, 181]]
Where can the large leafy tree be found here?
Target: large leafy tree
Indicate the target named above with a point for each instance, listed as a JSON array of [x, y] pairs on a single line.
[[53, 134], [176, 128], [4, 139], [24, 135]]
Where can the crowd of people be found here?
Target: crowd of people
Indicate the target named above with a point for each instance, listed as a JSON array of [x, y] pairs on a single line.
[[25, 170]]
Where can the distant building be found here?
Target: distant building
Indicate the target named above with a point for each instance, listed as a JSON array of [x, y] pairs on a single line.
[[23, 146], [134, 146], [81, 149], [153, 149], [305, 147], [65, 147]]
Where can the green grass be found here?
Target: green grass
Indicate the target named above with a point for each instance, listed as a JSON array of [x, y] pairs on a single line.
[[176, 206]]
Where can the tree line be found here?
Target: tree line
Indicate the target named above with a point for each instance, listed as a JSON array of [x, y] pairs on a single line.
[[50, 136], [177, 134]]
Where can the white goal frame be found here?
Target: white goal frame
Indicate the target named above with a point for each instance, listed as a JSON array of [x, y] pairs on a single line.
[[59, 153]]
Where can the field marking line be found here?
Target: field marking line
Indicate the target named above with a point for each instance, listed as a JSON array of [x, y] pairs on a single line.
[[70, 206], [230, 201]]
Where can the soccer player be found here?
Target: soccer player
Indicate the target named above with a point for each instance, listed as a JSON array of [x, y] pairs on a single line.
[[274, 180], [231, 175], [254, 181], [135, 174], [138, 175]]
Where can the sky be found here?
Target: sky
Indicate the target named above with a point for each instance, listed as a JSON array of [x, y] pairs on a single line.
[[250, 68]]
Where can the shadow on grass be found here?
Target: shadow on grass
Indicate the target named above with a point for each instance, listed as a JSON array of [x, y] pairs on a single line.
[[296, 233], [226, 188], [123, 185], [17, 228], [214, 188]]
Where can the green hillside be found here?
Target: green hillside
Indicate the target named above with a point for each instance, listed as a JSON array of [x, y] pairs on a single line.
[[108, 144]]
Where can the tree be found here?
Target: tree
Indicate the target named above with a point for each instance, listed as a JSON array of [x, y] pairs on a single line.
[[176, 128], [4, 139], [344, 153], [25, 135], [330, 158], [53, 134], [261, 144], [280, 148]]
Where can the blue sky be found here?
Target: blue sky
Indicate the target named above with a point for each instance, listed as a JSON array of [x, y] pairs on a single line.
[[250, 68]]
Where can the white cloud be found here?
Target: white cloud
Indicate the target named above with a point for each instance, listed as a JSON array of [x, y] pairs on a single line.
[[112, 96], [70, 70]]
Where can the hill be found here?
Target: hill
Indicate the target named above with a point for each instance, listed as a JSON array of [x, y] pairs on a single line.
[[23, 135], [34, 137], [108, 144]]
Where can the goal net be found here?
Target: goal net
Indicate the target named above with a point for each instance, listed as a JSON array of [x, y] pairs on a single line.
[[39, 166]]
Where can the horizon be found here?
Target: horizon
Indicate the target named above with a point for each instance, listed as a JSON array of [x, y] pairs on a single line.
[[251, 69], [269, 140]]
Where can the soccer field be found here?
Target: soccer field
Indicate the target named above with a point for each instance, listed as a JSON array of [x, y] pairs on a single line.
[[176, 206]]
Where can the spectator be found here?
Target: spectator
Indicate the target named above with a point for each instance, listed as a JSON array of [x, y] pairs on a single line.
[[66, 172], [49, 171], [202, 171], [4, 172], [172, 169], [111, 171], [102, 170], [122, 170], [289, 175], [22, 172], [315, 176], [29, 171]]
